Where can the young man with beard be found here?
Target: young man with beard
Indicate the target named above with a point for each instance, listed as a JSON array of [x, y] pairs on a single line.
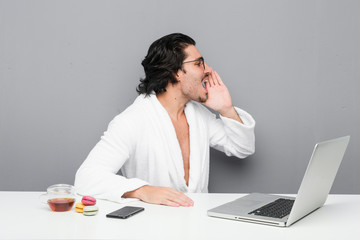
[[161, 142]]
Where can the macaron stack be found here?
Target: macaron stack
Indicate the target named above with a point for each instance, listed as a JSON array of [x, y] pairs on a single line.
[[87, 206]]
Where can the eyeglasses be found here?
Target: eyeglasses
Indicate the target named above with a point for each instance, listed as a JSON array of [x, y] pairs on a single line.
[[200, 60]]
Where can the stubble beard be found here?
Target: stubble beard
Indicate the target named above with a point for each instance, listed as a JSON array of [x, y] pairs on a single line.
[[202, 100]]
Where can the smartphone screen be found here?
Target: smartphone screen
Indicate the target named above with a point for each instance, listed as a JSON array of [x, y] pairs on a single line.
[[125, 212]]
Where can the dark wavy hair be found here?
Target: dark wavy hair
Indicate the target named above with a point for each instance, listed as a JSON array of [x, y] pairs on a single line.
[[164, 58]]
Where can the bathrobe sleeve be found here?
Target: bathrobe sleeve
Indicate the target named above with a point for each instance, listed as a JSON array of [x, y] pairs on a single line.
[[97, 176], [232, 137]]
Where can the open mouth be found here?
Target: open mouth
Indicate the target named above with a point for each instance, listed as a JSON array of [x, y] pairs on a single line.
[[203, 83]]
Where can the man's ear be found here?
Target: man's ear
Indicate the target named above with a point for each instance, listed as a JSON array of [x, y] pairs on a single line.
[[178, 75]]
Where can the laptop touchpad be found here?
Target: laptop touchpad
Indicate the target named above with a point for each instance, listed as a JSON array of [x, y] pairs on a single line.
[[239, 206]]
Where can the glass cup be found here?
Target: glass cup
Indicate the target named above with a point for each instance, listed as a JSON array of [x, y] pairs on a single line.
[[59, 197]]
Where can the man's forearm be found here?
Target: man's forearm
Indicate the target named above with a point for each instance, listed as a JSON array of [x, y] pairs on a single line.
[[232, 114]]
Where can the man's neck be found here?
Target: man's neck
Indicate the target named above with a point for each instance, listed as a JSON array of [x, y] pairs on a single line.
[[173, 103]]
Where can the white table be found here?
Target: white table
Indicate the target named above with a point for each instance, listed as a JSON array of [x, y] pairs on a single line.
[[23, 216]]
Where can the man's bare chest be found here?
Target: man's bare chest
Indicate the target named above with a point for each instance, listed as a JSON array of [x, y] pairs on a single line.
[[182, 134]]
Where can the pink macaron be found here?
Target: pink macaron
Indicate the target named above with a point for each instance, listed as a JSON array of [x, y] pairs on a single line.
[[88, 201]]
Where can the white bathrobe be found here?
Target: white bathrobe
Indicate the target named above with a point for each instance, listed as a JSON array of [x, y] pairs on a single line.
[[142, 142]]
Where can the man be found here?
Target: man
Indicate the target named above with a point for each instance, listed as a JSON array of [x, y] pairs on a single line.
[[161, 142]]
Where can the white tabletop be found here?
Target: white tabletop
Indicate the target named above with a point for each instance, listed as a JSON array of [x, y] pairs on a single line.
[[23, 216]]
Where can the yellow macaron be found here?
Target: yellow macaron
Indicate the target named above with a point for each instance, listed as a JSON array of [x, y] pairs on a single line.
[[79, 207]]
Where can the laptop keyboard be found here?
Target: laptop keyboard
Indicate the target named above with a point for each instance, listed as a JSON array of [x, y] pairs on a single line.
[[277, 209]]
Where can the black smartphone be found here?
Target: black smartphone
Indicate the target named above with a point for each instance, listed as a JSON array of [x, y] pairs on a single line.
[[125, 212]]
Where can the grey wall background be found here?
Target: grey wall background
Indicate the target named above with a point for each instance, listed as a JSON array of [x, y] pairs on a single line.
[[68, 67]]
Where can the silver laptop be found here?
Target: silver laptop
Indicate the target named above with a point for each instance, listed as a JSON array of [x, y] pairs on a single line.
[[281, 210]]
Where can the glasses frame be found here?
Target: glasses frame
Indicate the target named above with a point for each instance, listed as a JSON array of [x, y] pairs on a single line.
[[197, 60]]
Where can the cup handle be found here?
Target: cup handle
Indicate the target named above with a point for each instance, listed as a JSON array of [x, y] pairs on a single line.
[[42, 198]]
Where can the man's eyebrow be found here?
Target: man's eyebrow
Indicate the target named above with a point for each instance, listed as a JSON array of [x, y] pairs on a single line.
[[198, 59]]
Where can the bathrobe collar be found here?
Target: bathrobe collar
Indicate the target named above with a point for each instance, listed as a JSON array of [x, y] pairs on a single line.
[[168, 135]]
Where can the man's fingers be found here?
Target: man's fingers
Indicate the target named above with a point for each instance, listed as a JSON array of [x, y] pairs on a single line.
[[170, 203], [180, 198], [163, 195], [218, 78], [214, 79], [211, 80]]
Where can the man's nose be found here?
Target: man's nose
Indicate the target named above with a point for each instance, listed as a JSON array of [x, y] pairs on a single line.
[[208, 69]]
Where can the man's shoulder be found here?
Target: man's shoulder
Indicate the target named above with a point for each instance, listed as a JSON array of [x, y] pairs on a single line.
[[133, 111]]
